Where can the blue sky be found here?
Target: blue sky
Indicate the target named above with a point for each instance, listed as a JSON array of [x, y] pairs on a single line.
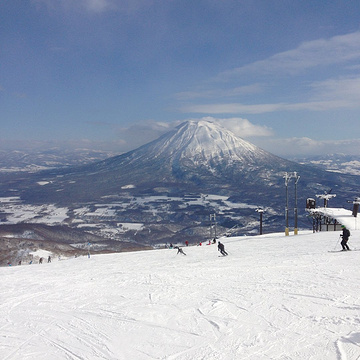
[[115, 74]]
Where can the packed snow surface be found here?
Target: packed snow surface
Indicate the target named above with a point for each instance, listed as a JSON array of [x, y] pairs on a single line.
[[273, 297]]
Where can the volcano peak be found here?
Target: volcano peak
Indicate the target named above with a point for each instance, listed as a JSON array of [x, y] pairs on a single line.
[[206, 140]]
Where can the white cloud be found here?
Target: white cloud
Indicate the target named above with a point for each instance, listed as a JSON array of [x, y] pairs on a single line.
[[243, 127], [97, 5], [91, 6], [329, 94], [141, 133], [219, 93], [304, 146], [338, 49], [344, 88], [133, 136], [232, 108], [263, 137], [94, 6], [237, 108]]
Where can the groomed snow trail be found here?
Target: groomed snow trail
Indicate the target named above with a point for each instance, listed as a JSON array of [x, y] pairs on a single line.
[[273, 297]]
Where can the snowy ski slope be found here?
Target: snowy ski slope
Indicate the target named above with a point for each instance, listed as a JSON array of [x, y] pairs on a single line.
[[273, 297]]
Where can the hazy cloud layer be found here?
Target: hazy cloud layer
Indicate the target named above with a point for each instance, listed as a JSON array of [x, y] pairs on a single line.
[[346, 89], [233, 108], [221, 93], [263, 136], [293, 147], [342, 91], [336, 93], [133, 136], [322, 52], [242, 127], [94, 6]]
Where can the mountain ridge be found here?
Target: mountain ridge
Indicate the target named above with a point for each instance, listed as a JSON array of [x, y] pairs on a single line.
[[196, 156], [165, 185]]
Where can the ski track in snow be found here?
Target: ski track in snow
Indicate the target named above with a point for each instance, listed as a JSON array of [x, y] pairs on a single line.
[[271, 298]]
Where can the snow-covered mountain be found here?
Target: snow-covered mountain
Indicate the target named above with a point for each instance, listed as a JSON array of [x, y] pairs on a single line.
[[195, 157], [170, 186], [200, 144], [198, 156], [340, 163], [273, 297], [33, 160], [204, 142]]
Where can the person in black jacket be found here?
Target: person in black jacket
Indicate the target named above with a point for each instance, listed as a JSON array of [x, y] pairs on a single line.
[[345, 238], [221, 248], [180, 250]]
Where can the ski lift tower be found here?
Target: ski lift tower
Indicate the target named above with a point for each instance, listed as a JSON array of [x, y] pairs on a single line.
[[260, 211], [297, 177], [326, 197], [287, 178], [356, 204], [213, 226]]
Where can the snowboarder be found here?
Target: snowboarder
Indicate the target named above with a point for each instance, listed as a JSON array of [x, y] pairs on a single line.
[[180, 250], [221, 248], [345, 237]]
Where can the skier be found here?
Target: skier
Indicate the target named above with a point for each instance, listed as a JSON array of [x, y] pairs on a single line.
[[40, 260], [186, 243], [345, 237], [221, 248], [49, 259], [180, 250]]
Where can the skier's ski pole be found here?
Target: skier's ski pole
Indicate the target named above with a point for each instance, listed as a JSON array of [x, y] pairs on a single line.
[[337, 242]]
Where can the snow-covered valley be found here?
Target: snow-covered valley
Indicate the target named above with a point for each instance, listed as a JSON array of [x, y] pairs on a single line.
[[273, 297], [130, 218]]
